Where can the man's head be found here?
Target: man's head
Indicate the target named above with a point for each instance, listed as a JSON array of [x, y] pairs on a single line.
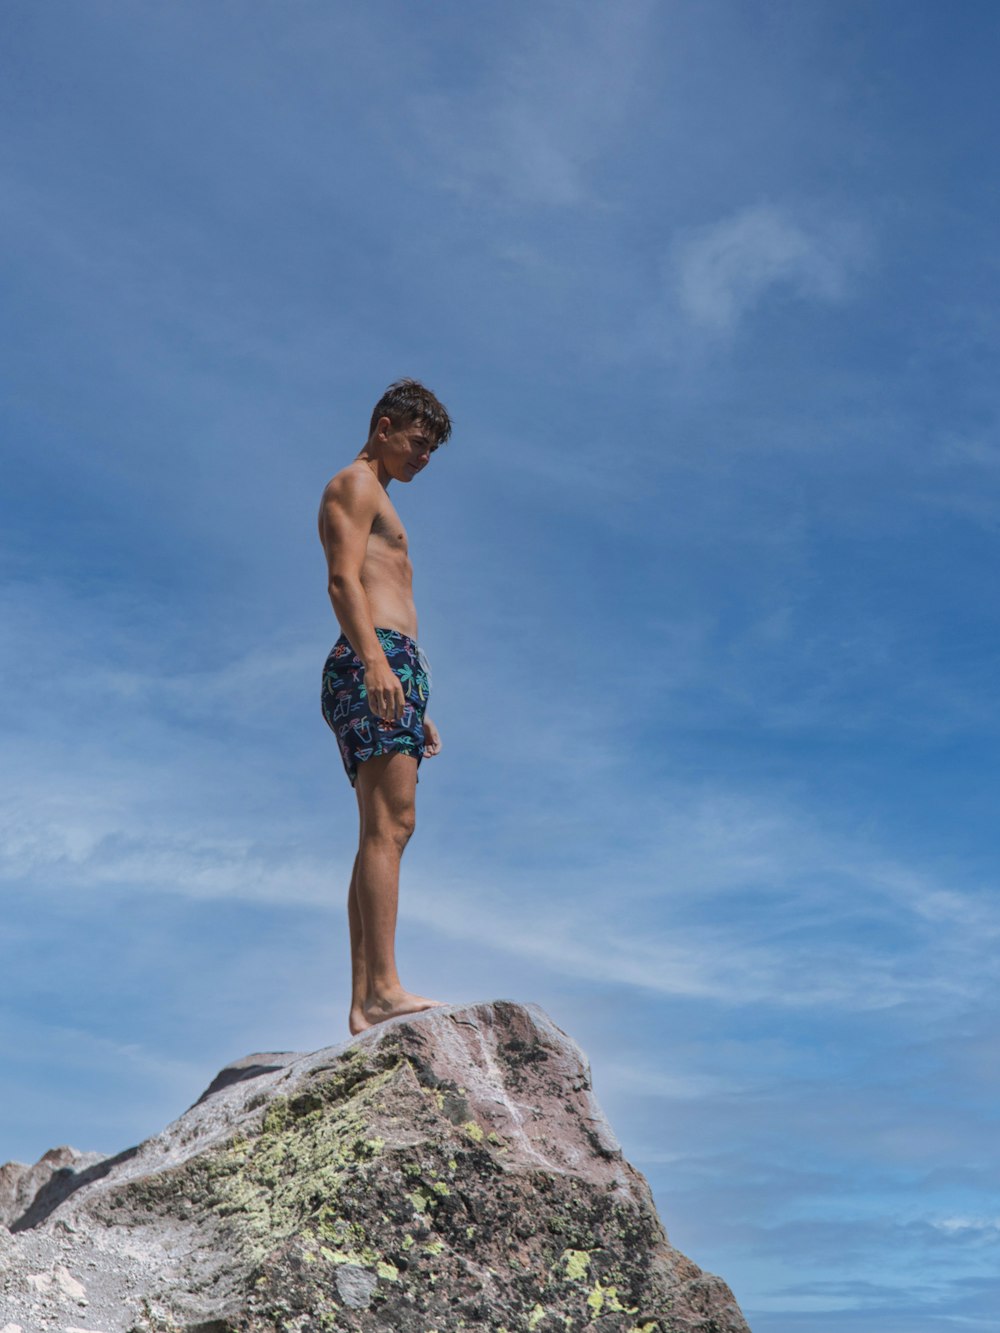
[[407, 425], [408, 401]]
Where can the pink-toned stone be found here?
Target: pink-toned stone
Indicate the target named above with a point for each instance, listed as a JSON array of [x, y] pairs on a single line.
[[446, 1170]]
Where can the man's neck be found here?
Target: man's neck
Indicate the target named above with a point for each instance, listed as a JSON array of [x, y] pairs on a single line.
[[374, 465]]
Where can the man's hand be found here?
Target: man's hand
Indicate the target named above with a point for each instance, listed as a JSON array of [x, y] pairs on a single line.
[[384, 691], [432, 739]]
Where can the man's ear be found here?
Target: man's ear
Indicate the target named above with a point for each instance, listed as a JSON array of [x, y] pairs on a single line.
[[382, 427]]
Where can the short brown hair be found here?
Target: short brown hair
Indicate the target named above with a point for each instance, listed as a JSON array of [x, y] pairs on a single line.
[[408, 400]]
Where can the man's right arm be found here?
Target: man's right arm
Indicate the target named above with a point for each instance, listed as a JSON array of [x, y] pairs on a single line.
[[350, 503]]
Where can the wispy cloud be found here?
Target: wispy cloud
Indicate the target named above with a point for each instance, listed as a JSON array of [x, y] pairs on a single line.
[[721, 272], [983, 1225]]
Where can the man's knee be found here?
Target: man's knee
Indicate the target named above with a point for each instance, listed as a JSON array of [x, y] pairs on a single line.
[[393, 826], [404, 822]]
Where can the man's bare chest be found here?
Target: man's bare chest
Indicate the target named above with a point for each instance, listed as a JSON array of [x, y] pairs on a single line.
[[388, 536]]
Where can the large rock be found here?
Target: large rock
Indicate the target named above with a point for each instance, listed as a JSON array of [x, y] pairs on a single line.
[[448, 1170]]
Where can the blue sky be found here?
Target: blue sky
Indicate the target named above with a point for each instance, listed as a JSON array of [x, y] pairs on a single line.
[[704, 575]]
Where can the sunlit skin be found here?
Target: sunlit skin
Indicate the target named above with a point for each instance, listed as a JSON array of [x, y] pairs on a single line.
[[370, 581]]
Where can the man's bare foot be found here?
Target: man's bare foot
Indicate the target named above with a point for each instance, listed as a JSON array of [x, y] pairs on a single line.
[[357, 1021], [391, 1004]]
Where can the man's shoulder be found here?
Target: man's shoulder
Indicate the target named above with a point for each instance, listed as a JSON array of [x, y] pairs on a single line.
[[353, 485]]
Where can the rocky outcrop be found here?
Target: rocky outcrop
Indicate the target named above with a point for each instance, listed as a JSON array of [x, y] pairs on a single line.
[[27, 1188], [448, 1170]]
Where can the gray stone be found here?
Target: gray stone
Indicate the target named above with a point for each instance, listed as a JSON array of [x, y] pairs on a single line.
[[447, 1170], [355, 1285]]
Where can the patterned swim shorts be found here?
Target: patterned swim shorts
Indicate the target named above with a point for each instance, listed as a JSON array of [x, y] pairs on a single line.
[[360, 734]]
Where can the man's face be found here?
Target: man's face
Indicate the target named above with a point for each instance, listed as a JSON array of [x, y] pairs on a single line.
[[407, 448]]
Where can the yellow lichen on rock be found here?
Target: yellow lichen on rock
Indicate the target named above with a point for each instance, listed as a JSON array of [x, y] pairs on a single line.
[[605, 1299], [577, 1262]]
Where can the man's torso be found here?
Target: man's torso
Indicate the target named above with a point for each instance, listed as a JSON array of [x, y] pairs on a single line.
[[386, 573]]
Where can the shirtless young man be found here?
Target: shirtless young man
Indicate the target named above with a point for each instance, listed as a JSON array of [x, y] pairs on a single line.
[[376, 682]]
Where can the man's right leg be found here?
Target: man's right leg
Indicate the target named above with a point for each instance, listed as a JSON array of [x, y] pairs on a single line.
[[386, 787]]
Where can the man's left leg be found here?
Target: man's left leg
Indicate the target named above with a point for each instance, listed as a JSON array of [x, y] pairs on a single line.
[[359, 970]]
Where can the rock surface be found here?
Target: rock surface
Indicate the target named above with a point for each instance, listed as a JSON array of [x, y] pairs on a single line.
[[447, 1170]]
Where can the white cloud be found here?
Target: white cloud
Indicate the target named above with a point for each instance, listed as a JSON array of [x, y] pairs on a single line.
[[723, 963], [955, 1225], [722, 271]]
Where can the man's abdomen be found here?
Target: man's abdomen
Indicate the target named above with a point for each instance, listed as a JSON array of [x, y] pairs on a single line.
[[391, 598]]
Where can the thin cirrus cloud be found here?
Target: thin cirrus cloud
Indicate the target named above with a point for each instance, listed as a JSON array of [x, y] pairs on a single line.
[[722, 271], [984, 1225]]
